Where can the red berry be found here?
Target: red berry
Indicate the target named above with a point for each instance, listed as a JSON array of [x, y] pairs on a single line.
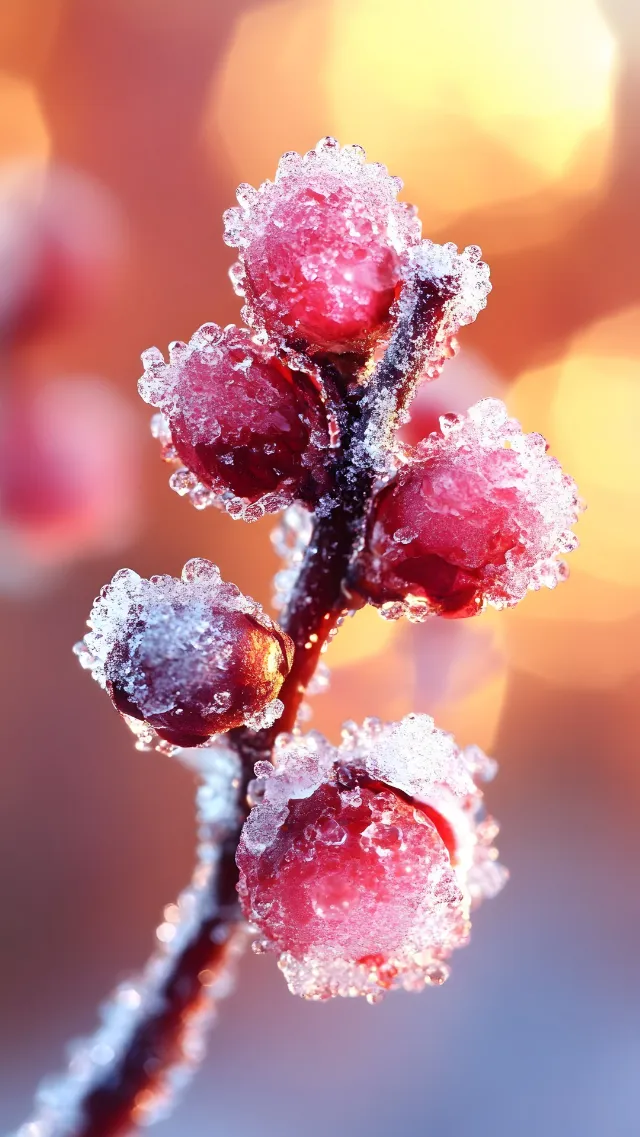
[[59, 241], [478, 516], [359, 863], [321, 248], [190, 657], [68, 467], [244, 425]]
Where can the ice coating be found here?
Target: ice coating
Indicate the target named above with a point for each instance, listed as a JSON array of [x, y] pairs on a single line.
[[321, 248], [479, 515], [290, 539], [359, 863], [185, 658], [251, 433]]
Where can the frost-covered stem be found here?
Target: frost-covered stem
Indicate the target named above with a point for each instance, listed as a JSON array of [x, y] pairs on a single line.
[[119, 1099], [115, 1104], [368, 416], [151, 1035], [412, 346]]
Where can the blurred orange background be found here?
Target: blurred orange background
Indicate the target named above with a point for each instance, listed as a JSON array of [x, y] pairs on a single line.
[[514, 126]]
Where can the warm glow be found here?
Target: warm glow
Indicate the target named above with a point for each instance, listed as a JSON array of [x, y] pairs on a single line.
[[474, 104], [23, 130], [281, 47], [588, 406], [361, 637]]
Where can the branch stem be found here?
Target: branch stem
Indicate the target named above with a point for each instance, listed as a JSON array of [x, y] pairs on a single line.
[[116, 1099]]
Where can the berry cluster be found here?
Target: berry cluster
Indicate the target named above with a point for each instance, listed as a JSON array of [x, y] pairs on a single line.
[[357, 864]]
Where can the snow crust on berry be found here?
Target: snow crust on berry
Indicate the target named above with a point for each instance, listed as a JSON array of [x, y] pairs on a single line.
[[344, 865], [481, 499], [321, 247], [164, 642], [251, 434]]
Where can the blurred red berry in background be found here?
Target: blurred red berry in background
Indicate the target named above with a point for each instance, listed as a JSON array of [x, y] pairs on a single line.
[[60, 239], [69, 470]]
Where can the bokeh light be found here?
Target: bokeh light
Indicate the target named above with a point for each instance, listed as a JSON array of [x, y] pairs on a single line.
[[588, 406], [23, 129], [477, 106], [513, 123]]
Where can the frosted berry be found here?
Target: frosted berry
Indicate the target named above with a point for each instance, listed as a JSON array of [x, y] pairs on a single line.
[[190, 657], [359, 863], [321, 248], [479, 515], [243, 424]]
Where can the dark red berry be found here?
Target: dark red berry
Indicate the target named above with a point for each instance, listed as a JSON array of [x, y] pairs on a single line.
[[358, 863], [479, 515], [190, 657], [242, 423]]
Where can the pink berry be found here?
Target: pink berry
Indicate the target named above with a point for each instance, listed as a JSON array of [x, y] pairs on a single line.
[[190, 657], [359, 863], [60, 239], [322, 248], [68, 467], [478, 516], [242, 422]]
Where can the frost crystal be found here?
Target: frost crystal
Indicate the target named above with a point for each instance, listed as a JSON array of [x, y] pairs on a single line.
[[251, 433], [479, 515], [321, 248], [359, 864], [462, 277], [190, 657], [290, 540]]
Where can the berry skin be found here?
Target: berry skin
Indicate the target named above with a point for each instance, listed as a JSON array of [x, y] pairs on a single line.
[[190, 657], [242, 423], [321, 249], [478, 515], [359, 863]]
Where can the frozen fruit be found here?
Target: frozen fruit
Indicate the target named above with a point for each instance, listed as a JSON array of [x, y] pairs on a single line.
[[358, 864], [321, 248], [191, 657], [480, 514], [243, 424]]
